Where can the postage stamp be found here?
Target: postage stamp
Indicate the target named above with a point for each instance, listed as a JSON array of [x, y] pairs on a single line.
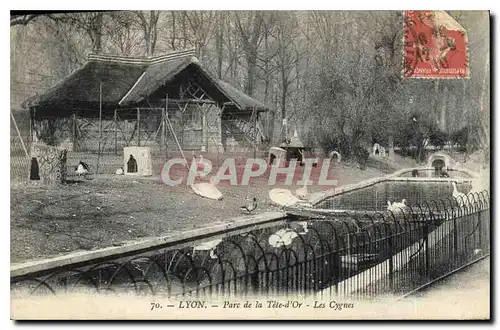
[[435, 46], [171, 165]]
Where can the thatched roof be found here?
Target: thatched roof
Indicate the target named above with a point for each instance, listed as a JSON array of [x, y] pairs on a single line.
[[128, 81], [240, 98]]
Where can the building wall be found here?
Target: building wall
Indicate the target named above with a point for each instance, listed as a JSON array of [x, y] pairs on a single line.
[[192, 129], [233, 138]]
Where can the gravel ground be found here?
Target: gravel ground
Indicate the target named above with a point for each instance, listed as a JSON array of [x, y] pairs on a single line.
[[107, 210]]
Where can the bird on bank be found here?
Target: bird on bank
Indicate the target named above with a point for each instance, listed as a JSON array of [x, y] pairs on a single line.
[[249, 208], [82, 169], [119, 171], [461, 198]]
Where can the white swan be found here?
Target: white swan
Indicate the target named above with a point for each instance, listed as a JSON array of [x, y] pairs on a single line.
[[395, 207], [461, 198]]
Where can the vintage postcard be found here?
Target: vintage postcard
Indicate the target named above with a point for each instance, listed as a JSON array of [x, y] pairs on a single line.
[[171, 164]]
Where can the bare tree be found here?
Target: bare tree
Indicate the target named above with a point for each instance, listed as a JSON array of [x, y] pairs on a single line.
[[122, 33], [249, 27], [148, 22], [22, 19], [91, 23], [201, 24], [219, 39], [287, 56]]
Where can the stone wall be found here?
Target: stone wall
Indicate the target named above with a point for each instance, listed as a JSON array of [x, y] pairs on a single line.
[[49, 163]]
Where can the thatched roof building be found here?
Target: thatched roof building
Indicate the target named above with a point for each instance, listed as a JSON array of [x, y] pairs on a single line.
[[203, 110], [128, 82]]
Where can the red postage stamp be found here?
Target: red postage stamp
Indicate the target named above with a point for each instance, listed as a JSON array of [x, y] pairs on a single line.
[[435, 46]]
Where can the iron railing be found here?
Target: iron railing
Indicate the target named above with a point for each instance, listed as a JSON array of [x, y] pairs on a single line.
[[355, 254]]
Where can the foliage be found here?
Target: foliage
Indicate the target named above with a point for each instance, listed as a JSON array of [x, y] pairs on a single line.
[[460, 138], [437, 137]]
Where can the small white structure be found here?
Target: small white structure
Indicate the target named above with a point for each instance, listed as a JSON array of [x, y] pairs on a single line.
[[440, 160], [137, 161], [379, 151], [276, 156], [335, 155]]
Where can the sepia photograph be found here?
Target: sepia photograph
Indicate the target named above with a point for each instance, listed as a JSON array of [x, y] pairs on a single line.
[[250, 164]]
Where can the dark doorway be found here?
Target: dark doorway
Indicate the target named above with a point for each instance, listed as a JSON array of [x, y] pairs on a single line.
[[438, 165], [34, 171], [132, 165], [271, 159]]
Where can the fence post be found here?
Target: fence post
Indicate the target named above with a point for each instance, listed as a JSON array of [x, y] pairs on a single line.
[[426, 246], [391, 264], [163, 128], [455, 242], [479, 229]]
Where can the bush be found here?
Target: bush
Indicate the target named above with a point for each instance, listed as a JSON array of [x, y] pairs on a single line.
[[340, 144], [460, 138], [437, 137]]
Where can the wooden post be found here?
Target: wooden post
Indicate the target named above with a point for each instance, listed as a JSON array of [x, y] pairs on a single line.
[[19, 135], [30, 139], [138, 127], [163, 127], [100, 128], [115, 123], [33, 136], [255, 133]]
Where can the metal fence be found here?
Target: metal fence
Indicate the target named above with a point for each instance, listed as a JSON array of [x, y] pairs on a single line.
[[374, 197], [355, 254]]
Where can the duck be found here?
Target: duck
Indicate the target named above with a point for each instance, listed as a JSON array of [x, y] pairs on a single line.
[[249, 208], [119, 171], [461, 198], [394, 207]]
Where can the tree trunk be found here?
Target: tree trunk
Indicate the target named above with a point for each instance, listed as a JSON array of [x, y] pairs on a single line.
[[249, 85], [444, 103], [391, 147], [174, 35], [97, 33], [184, 30], [484, 113], [436, 101], [218, 43]]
